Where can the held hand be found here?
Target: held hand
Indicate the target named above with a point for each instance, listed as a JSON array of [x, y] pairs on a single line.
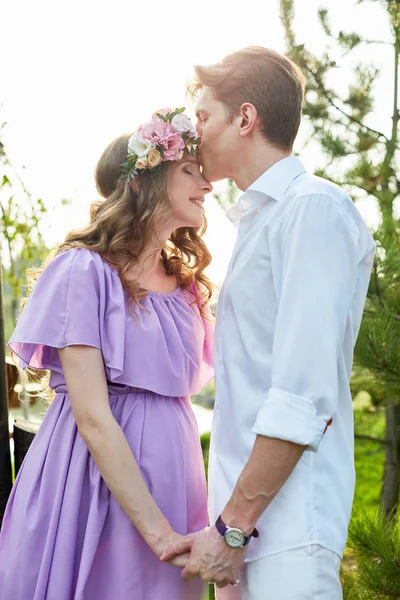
[[173, 540], [211, 558], [180, 561]]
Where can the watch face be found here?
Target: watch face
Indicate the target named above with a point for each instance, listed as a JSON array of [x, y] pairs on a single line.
[[235, 538]]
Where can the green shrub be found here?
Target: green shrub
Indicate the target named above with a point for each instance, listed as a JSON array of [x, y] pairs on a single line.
[[376, 545], [205, 446]]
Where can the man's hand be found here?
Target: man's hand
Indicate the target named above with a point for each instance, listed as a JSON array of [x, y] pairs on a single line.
[[211, 558]]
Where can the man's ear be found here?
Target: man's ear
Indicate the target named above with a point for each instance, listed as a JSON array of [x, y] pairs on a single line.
[[249, 118]]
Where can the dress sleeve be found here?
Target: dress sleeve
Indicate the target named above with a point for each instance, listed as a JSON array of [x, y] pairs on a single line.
[[63, 310]]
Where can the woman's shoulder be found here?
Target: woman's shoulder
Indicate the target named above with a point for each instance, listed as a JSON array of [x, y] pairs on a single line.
[[75, 259], [76, 255], [74, 267]]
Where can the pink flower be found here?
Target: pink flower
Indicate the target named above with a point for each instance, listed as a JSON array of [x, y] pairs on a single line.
[[164, 112], [155, 130], [164, 136], [173, 144]]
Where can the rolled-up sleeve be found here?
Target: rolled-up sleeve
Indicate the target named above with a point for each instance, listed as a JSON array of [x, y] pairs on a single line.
[[314, 284]]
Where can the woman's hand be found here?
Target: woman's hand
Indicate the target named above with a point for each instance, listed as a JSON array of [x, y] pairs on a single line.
[[211, 558], [166, 541]]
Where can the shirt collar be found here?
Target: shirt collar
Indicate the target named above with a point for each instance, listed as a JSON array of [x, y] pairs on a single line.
[[273, 183]]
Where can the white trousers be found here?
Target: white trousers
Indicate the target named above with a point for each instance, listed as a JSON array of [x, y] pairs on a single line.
[[308, 573]]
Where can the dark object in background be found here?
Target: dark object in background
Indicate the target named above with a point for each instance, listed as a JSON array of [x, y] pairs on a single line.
[[24, 432], [5, 455]]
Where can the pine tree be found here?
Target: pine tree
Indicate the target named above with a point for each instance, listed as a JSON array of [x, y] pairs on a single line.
[[376, 542], [364, 161]]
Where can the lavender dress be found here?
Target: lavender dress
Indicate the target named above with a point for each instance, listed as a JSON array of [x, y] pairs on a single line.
[[64, 537]]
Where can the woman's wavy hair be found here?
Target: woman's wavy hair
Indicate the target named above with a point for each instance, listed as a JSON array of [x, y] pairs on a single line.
[[128, 218]]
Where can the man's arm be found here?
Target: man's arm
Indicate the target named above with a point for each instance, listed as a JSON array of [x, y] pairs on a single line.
[[269, 466]]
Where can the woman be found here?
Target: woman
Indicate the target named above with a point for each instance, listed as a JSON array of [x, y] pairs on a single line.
[[118, 317]]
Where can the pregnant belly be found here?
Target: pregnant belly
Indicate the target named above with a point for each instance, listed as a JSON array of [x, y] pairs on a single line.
[[163, 435]]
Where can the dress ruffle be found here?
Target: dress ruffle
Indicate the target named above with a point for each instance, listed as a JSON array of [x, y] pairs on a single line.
[[79, 300]]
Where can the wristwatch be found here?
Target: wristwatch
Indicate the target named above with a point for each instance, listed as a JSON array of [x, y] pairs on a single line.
[[233, 536]]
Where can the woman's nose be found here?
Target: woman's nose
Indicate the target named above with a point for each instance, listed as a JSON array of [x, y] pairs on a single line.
[[206, 186]]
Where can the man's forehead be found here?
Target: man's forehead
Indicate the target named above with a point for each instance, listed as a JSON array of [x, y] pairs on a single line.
[[204, 101]]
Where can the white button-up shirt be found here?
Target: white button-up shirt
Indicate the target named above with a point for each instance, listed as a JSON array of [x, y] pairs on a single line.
[[288, 317]]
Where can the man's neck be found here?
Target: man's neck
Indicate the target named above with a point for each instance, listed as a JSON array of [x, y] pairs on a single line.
[[255, 164]]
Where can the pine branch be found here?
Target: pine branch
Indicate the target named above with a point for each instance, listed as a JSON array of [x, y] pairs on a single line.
[[382, 362], [346, 182], [286, 17], [369, 438], [352, 119], [381, 42], [391, 147], [360, 187], [375, 541], [377, 287]]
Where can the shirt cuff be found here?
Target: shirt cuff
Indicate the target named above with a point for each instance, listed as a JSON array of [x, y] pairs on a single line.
[[289, 417]]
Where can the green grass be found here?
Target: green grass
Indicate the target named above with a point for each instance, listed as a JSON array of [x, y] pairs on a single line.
[[369, 458], [369, 462], [205, 446]]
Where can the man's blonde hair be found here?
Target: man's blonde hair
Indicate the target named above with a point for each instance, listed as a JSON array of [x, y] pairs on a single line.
[[268, 80]]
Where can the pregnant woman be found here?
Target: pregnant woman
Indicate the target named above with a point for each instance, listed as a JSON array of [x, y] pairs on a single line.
[[119, 317]]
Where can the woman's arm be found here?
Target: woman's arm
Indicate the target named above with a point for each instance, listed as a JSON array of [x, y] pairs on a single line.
[[87, 387]]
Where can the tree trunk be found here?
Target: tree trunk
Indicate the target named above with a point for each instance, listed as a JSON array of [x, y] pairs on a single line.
[[391, 477], [24, 433], [5, 458]]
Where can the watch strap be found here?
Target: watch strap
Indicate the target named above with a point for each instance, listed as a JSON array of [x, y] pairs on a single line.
[[222, 529]]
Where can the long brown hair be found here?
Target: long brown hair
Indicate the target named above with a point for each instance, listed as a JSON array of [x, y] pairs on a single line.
[[124, 217], [123, 224]]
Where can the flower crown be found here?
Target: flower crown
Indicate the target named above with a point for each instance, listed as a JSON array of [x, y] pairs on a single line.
[[167, 136]]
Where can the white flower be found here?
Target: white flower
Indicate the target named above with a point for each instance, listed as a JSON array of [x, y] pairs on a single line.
[[139, 145], [182, 123]]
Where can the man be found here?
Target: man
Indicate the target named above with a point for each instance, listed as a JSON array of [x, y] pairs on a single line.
[[281, 457]]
